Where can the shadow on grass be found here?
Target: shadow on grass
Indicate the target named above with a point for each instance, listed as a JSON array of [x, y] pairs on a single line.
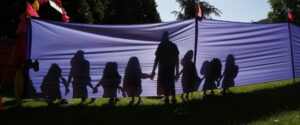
[[229, 109]]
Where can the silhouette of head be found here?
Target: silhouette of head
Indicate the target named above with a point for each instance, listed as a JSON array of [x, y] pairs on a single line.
[[216, 66], [205, 67], [111, 70], [133, 63], [187, 57], [79, 54], [54, 69], [230, 58], [165, 37]]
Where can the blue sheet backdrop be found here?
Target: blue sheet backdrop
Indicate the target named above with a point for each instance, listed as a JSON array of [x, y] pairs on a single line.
[[295, 37], [262, 51], [55, 42]]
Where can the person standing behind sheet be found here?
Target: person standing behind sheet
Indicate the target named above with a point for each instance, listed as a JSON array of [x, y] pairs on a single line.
[[168, 63], [50, 86], [216, 70], [132, 79], [80, 73], [212, 74], [190, 77], [110, 82], [230, 73]]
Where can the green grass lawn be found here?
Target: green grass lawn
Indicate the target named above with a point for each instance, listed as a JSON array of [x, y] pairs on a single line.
[[260, 104]]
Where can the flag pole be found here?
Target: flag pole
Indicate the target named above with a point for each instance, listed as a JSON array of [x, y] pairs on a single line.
[[292, 52], [196, 40], [196, 30]]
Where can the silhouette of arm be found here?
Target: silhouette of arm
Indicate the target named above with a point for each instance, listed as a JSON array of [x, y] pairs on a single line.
[[145, 76], [177, 65], [90, 85], [64, 82], [95, 89], [99, 83], [154, 67], [69, 78], [122, 90], [177, 75]]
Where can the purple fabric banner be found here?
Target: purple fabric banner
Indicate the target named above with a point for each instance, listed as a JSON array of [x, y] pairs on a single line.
[[262, 52], [54, 42], [295, 38]]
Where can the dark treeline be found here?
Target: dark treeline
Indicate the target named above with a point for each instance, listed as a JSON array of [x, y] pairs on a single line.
[[82, 11]]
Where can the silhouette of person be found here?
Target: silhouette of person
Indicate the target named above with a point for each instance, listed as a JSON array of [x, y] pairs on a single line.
[[216, 70], [80, 73], [110, 82], [189, 75], [212, 74], [168, 63], [132, 79], [230, 73], [50, 86]]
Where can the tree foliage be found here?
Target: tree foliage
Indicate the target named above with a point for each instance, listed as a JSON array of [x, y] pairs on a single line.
[[82, 11], [112, 11], [189, 9], [280, 9]]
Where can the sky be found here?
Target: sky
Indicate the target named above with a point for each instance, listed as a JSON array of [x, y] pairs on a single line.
[[232, 10]]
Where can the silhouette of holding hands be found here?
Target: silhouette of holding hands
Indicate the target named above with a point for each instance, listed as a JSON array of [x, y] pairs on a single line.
[[168, 63], [190, 77], [50, 86], [80, 73], [110, 82], [132, 79], [230, 73]]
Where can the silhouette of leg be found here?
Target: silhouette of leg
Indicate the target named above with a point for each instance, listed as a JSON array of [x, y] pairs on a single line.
[[139, 100], [117, 99], [132, 100], [166, 94], [182, 96], [83, 100], [63, 101], [212, 91], [111, 100], [224, 91], [173, 94], [187, 95], [93, 100]]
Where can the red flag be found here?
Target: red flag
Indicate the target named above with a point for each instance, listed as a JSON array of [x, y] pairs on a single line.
[[65, 17], [290, 16], [199, 11], [30, 11]]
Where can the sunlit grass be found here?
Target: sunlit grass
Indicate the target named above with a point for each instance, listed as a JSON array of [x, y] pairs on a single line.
[[258, 104]]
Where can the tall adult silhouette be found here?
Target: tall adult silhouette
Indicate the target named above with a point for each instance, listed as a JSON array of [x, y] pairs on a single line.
[[51, 84], [230, 73], [168, 63], [80, 73]]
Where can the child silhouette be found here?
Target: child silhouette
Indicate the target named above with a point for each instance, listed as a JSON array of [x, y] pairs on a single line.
[[190, 77], [132, 79], [110, 82]]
